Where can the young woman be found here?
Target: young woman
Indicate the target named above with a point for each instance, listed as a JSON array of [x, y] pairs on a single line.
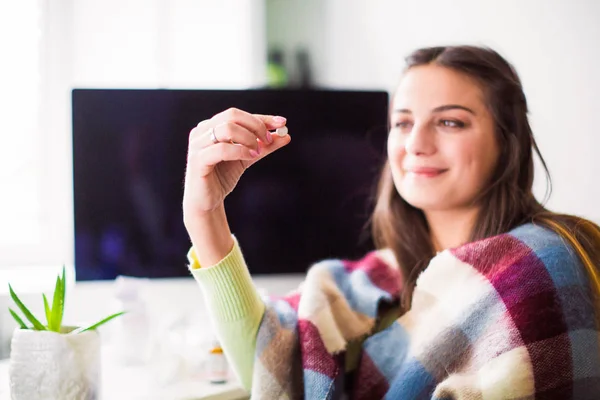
[[476, 291]]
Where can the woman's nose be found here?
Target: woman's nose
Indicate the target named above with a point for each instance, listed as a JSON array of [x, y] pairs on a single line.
[[420, 141]]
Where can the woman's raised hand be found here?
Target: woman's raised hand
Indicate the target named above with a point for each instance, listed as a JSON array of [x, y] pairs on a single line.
[[220, 150]]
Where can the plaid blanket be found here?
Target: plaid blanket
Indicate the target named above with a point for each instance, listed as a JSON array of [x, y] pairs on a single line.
[[509, 317]]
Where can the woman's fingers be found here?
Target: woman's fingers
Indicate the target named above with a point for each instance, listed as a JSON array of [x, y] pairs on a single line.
[[210, 156], [235, 135], [279, 142], [222, 123], [271, 122], [226, 132], [256, 123]]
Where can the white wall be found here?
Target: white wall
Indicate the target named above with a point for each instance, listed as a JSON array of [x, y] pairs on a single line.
[[554, 45], [20, 83], [168, 43]]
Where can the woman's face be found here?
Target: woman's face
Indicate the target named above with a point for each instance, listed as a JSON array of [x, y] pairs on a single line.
[[441, 147]]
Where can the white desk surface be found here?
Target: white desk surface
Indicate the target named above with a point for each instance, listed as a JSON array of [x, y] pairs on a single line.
[[134, 383]]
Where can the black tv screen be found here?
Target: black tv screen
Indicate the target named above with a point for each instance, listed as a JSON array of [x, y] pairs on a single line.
[[306, 202]]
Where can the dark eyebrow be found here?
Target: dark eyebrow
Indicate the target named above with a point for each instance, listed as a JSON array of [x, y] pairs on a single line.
[[438, 109]]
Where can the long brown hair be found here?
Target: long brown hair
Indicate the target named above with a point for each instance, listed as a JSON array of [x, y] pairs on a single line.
[[508, 200]]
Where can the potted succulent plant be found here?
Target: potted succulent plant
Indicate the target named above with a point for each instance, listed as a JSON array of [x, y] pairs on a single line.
[[52, 361]]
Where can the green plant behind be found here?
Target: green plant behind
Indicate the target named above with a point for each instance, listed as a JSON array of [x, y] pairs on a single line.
[[54, 314]]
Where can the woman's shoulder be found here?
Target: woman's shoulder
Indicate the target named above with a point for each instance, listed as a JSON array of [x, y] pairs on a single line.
[[540, 239], [529, 251], [547, 247]]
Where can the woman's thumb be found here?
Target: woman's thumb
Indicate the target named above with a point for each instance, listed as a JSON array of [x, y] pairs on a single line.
[[272, 121]]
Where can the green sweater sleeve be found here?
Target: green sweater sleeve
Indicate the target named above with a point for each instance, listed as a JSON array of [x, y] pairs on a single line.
[[234, 306]]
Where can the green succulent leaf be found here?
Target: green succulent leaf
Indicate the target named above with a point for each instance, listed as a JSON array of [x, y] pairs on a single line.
[[97, 324], [48, 313], [37, 325], [58, 302], [18, 319]]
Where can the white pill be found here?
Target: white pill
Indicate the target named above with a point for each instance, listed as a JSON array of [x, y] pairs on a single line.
[[282, 131]]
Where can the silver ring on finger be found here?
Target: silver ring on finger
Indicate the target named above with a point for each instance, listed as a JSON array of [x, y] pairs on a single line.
[[213, 136]]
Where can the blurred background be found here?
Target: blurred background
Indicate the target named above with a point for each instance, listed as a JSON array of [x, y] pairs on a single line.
[[50, 47]]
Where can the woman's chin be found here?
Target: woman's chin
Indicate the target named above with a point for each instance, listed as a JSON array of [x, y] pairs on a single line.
[[426, 201]]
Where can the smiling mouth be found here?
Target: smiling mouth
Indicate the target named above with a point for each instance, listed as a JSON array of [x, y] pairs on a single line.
[[426, 172]]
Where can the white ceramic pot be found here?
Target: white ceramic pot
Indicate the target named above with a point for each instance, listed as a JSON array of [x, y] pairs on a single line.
[[47, 365]]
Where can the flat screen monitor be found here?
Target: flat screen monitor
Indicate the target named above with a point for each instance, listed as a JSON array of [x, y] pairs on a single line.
[[307, 202]]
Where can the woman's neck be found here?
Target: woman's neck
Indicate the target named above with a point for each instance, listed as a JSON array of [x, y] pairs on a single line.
[[450, 228]]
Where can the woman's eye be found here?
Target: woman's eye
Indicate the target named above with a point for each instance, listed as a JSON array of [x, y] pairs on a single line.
[[402, 124], [450, 123]]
